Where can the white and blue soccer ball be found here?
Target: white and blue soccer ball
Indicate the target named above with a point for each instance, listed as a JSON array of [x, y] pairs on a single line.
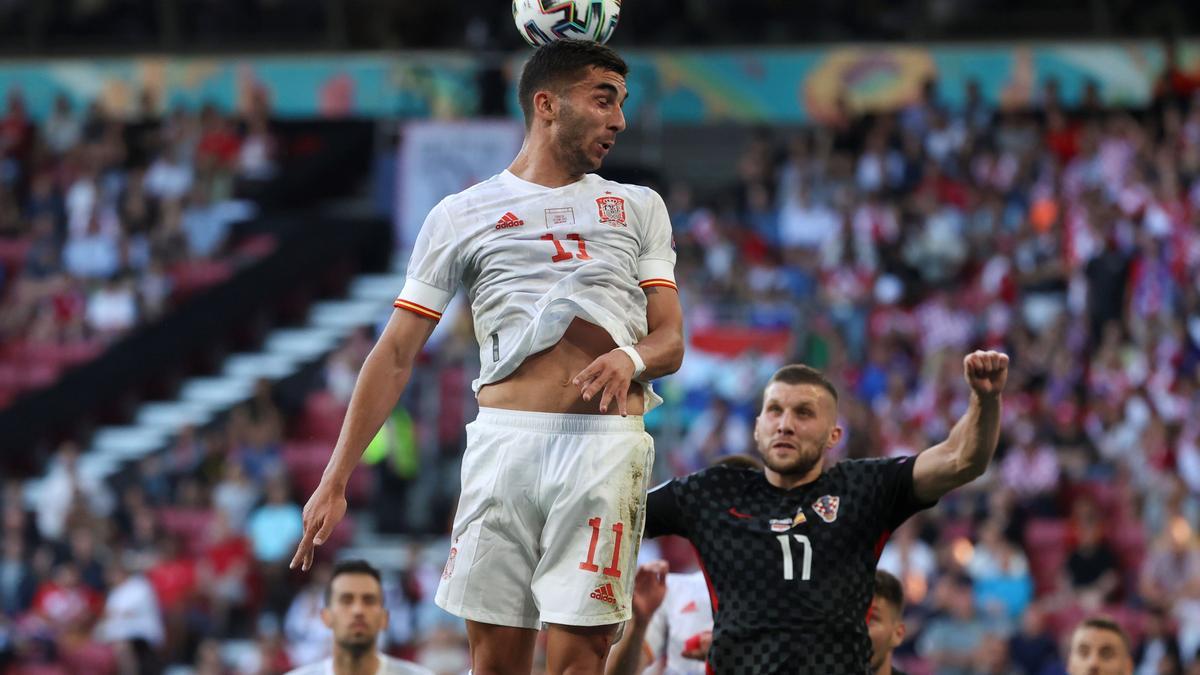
[[544, 21]]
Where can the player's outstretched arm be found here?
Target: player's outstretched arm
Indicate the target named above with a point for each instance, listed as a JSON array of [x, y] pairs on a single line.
[[628, 656], [661, 350], [965, 454], [380, 383]]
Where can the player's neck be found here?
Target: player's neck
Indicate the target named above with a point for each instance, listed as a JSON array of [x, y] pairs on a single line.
[[346, 662], [538, 163], [789, 481], [885, 668]]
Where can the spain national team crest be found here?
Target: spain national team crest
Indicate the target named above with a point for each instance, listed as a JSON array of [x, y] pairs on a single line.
[[612, 211], [827, 508]]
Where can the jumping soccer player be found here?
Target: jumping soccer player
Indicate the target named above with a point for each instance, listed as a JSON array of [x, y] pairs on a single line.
[[571, 283]]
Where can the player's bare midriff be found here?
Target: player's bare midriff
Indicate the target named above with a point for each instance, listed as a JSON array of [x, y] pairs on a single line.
[[542, 383]]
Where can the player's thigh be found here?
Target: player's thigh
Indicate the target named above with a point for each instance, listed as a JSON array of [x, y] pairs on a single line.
[[495, 541], [593, 529], [500, 649], [578, 649]]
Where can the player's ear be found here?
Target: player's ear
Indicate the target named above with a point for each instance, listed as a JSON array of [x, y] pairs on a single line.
[[835, 435], [545, 104], [898, 634], [327, 617], [386, 617]]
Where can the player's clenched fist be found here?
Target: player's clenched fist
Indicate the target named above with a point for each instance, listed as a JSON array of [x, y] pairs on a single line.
[[609, 375], [986, 372]]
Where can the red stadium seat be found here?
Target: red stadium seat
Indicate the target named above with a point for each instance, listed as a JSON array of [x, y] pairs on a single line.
[[189, 525], [306, 462], [40, 669], [92, 658], [322, 418], [1046, 548], [13, 253]]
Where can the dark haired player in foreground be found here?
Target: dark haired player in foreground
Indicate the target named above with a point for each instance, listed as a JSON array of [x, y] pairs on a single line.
[[790, 551], [573, 298]]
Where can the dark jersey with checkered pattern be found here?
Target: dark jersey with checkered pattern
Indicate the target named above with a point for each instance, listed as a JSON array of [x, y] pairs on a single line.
[[792, 572]]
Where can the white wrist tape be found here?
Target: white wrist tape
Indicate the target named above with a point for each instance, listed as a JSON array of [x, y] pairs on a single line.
[[639, 366]]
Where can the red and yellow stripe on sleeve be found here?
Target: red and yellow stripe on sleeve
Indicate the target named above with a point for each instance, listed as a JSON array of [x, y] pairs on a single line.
[[664, 283], [417, 309]]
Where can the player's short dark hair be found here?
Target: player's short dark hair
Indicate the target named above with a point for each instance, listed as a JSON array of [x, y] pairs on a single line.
[[350, 567], [888, 587], [738, 462], [555, 64], [1107, 624], [798, 373]]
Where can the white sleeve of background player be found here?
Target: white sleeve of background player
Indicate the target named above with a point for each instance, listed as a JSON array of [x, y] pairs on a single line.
[[656, 637], [656, 259], [435, 268]]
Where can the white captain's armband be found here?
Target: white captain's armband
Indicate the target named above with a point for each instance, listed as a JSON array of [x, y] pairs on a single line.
[[420, 298]]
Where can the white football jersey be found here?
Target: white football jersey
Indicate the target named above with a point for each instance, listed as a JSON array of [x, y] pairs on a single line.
[[534, 258], [387, 666], [685, 611]]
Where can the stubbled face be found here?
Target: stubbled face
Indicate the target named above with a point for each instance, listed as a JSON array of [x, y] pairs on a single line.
[[355, 612], [797, 424], [1095, 651], [589, 118]]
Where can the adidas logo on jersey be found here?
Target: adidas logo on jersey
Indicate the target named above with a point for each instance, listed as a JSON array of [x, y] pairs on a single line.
[[509, 220], [689, 608], [604, 593]]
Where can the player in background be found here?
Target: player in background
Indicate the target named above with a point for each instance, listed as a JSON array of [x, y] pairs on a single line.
[[354, 612], [885, 623], [791, 551], [1099, 647], [678, 635], [571, 283], [671, 628]]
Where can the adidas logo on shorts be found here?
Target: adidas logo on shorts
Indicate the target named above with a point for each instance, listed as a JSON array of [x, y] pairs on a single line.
[[604, 593]]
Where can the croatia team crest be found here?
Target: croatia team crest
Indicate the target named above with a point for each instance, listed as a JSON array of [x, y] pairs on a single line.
[[827, 508], [612, 210]]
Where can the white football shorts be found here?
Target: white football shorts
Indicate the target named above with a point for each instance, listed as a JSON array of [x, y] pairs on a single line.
[[549, 520]]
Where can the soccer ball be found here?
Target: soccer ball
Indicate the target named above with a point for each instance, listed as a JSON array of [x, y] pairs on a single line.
[[543, 21]]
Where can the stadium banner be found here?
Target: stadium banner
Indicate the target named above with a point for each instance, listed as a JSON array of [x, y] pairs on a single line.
[[441, 158], [440, 85], [675, 86]]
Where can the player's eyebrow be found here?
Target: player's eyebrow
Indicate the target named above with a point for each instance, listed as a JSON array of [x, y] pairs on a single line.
[[611, 88]]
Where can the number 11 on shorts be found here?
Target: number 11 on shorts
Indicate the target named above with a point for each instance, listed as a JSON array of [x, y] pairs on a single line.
[[589, 565]]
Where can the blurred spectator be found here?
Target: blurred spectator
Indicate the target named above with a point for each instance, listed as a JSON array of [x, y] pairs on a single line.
[[1032, 647], [131, 620], [1003, 585], [307, 635], [957, 639], [275, 527], [1159, 650], [17, 583], [65, 488], [1092, 567]]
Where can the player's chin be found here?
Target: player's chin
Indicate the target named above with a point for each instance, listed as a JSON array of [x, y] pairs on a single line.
[[788, 461]]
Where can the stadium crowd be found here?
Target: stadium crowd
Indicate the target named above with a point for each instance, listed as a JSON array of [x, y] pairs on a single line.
[[882, 247], [105, 222]]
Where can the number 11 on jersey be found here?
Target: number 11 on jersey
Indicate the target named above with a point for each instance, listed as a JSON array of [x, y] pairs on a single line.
[[789, 573], [562, 253]]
